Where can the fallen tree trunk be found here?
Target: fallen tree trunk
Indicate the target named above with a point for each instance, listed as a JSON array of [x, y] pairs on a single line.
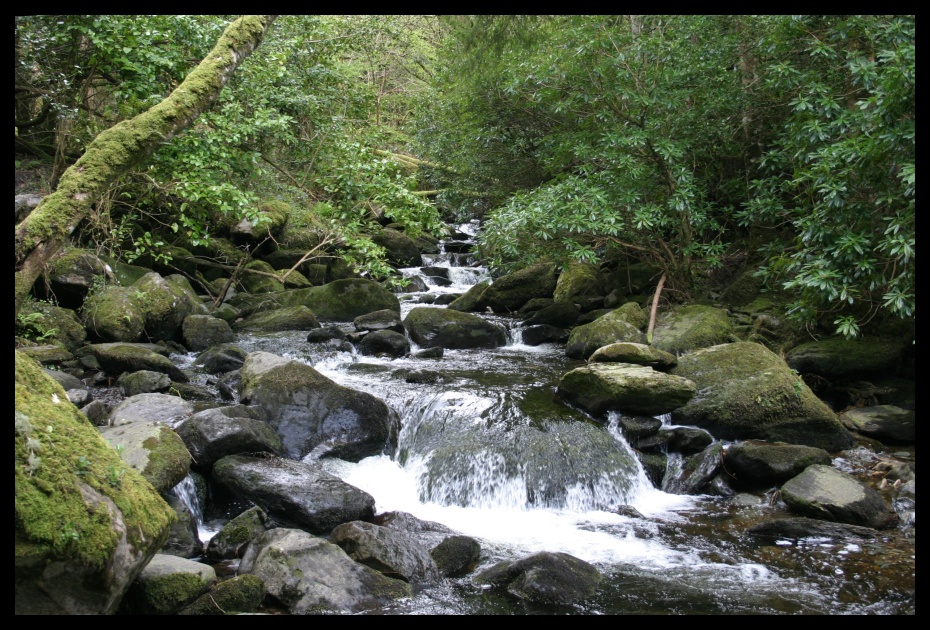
[[115, 151]]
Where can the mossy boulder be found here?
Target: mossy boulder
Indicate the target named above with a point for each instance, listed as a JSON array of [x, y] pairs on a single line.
[[164, 303], [599, 388], [578, 282], [305, 227], [50, 323], [456, 555], [441, 328], [258, 282], [746, 391], [72, 275], [847, 358], [203, 331], [232, 540], [166, 585], [288, 318], [511, 291], [239, 594], [692, 327], [271, 217], [469, 300], [114, 314], [622, 324], [85, 523], [399, 248], [116, 358], [636, 353], [153, 449], [343, 300]]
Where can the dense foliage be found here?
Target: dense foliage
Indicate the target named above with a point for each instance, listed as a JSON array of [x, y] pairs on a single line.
[[675, 138], [683, 141], [300, 122]]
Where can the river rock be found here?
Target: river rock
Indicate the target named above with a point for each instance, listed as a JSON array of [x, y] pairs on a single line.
[[619, 325], [746, 391], [387, 550], [166, 585], [756, 464], [599, 388], [828, 494], [435, 327], [293, 493], [307, 575], [545, 577], [312, 413], [214, 433]]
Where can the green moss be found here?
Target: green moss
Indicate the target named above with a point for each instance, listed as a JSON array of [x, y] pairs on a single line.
[[167, 454], [53, 519], [165, 593]]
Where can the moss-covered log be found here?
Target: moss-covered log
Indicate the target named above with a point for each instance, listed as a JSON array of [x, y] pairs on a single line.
[[114, 151]]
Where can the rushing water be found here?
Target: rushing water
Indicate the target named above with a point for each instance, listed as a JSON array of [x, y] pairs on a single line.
[[684, 555]]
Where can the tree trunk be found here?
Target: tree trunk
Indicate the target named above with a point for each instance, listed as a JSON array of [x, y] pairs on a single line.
[[115, 151]]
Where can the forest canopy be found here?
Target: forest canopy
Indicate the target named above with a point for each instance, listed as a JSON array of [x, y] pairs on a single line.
[[690, 142]]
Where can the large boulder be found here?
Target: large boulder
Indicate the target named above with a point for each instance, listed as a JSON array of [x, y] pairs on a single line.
[[288, 318], [160, 408], [113, 314], [384, 343], [50, 323], [311, 412], [343, 300], [400, 250], [509, 292], [578, 282], [260, 277], [85, 522], [826, 493], [689, 328], [846, 358], [238, 594], [441, 328], [388, 550], [763, 464], [166, 585], [544, 577], [233, 538], [622, 324], [214, 433], [116, 358], [293, 493], [221, 358], [599, 388], [203, 331], [636, 353], [153, 449], [72, 275], [307, 575], [561, 314], [469, 300], [746, 391], [164, 303], [886, 423]]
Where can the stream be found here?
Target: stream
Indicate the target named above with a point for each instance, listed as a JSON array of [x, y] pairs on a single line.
[[680, 555]]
